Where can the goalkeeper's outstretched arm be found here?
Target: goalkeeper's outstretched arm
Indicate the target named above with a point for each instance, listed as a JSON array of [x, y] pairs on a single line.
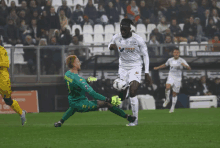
[[82, 83]]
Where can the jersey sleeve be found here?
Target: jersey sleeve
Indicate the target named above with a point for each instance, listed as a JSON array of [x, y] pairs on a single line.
[[143, 49], [184, 61], [167, 62], [113, 40], [82, 83]]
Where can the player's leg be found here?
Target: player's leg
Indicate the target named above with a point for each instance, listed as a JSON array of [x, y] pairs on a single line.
[[115, 110], [66, 115], [134, 100], [124, 94], [123, 75], [176, 88], [169, 84], [5, 90], [134, 81], [86, 106], [174, 100], [79, 106], [167, 95]]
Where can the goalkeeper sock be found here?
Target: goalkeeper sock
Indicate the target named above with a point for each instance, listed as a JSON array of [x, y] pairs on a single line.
[[118, 111], [68, 114], [15, 106]]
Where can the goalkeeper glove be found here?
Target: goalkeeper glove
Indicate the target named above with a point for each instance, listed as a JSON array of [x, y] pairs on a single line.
[[91, 79], [114, 100]]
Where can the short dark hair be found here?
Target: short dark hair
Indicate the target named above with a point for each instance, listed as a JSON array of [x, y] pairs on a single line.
[[176, 48], [77, 29], [127, 21], [174, 19]]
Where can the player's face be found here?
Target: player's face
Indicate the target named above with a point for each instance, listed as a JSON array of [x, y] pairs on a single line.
[[176, 54], [77, 64], [203, 79], [125, 31]]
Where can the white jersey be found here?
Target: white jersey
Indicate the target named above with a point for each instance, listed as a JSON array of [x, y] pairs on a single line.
[[175, 68], [130, 51]]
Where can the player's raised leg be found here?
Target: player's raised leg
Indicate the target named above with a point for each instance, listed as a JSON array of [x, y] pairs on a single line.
[[134, 101], [167, 95], [124, 94]]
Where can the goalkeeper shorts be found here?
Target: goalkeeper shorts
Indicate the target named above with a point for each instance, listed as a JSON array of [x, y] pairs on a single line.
[[84, 105]]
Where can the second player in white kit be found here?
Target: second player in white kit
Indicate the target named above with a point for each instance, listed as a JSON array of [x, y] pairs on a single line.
[[176, 64], [131, 47]]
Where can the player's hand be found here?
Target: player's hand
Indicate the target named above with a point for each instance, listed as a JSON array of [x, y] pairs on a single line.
[[183, 65], [148, 79], [91, 79], [113, 47], [115, 100], [156, 68]]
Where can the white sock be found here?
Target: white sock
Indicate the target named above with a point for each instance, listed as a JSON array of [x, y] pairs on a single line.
[[127, 94], [167, 95], [134, 106], [174, 102]]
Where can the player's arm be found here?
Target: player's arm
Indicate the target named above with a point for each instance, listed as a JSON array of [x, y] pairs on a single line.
[[143, 48], [185, 65], [82, 83], [160, 67], [112, 44], [163, 65]]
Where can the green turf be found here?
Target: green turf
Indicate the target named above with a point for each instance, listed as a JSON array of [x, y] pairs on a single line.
[[186, 128]]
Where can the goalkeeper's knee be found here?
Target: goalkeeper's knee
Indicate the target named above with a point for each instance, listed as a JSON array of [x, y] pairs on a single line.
[[8, 101], [107, 104]]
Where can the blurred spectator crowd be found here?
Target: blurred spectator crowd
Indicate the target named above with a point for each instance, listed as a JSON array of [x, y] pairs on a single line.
[[175, 20], [43, 22]]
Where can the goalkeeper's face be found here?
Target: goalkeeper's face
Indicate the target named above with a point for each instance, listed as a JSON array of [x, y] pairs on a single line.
[[77, 64]]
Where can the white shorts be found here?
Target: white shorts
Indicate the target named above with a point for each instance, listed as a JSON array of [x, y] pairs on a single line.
[[130, 75], [174, 84]]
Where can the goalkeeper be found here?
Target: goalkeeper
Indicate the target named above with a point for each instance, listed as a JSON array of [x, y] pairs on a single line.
[[78, 102]]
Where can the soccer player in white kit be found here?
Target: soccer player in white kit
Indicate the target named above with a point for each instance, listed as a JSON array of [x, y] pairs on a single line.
[[130, 47], [176, 64]]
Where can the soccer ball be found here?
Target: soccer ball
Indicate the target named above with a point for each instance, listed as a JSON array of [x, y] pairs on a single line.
[[119, 84]]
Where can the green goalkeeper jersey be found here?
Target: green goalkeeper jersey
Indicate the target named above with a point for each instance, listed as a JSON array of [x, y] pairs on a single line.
[[78, 86]]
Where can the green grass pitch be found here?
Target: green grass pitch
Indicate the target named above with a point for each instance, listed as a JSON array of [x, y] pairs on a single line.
[[185, 128]]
